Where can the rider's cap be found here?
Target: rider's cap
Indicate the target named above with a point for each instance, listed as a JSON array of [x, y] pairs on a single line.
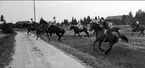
[[102, 18]]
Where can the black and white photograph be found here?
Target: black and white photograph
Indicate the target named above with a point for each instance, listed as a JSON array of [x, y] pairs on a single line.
[[72, 34]]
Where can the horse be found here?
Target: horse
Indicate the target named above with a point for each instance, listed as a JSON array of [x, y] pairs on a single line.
[[116, 29], [77, 30], [35, 27], [102, 37], [113, 29], [30, 28], [41, 30], [139, 29], [52, 29]]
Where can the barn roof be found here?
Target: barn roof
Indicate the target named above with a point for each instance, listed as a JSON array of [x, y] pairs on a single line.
[[119, 17], [22, 22]]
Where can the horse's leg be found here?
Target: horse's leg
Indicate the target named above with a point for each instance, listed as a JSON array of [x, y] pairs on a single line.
[[143, 33], [48, 36], [87, 33], [94, 32], [58, 34], [37, 36], [94, 45], [99, 47], [79, 35], [74, 34], [110, 47], [28, 32], [140, 33], [118, 32]]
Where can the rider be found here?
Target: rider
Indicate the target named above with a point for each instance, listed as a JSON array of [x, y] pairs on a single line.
[[32, 20], [110, 25], [107, 28], [105, 25], [2, 18], [54, 21], [137, 24], [95, 21], [80, 25]]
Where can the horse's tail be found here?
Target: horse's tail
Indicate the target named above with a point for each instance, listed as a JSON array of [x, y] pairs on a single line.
[[124, 38]]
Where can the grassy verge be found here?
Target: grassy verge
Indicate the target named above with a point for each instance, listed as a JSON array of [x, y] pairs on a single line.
[[80, 52], [131, 55], [7, 44]]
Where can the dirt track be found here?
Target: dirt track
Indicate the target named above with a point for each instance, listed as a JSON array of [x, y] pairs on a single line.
[[32, 53]]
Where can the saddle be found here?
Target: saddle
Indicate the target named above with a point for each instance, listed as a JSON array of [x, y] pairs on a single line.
[[135, 28], [107, 35]]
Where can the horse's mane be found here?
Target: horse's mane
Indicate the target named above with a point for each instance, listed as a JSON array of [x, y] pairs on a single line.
[[42, 21]]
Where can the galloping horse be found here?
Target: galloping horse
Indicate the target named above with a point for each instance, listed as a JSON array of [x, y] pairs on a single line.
[[139, 29], [53, 29], [37, 27], [31, 27], [101, 37], [113, 29], [77, 30]]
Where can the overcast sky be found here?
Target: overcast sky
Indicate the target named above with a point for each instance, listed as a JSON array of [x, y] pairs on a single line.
[[23, 10]]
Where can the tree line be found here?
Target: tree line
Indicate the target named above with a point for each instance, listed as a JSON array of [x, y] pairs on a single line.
[[126, 19]]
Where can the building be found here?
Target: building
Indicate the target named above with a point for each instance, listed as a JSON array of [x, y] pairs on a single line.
[[119, 17], [115, 19], [20, 24]]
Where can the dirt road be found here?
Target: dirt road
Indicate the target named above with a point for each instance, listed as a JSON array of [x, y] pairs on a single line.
[[32, 53]]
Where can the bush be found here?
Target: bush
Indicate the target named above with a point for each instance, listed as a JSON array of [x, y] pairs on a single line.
[[6, 28]]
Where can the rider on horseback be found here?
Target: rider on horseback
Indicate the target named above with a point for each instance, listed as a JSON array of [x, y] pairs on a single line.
[[54, 21], [137, 24], [105, 25], [80, 25], [107, 28], [95, 21]]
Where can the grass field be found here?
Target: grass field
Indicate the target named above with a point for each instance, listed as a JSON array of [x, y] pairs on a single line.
[[6, 48], [123, 55]]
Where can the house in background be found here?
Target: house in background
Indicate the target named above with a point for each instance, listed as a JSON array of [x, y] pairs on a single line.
[[120, 19], [20, 24], [115, 19]]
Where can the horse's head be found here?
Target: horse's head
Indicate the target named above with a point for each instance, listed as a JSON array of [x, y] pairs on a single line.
[[94, 26], [42, 21]]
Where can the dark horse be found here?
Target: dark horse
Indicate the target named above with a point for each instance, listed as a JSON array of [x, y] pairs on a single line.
[[137, 29], [56, 30], [52, 29], [77, 30], [35, 27], [101, 37], [30, 27]]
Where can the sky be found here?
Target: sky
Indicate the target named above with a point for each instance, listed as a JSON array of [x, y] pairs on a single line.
[[14, 11]]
